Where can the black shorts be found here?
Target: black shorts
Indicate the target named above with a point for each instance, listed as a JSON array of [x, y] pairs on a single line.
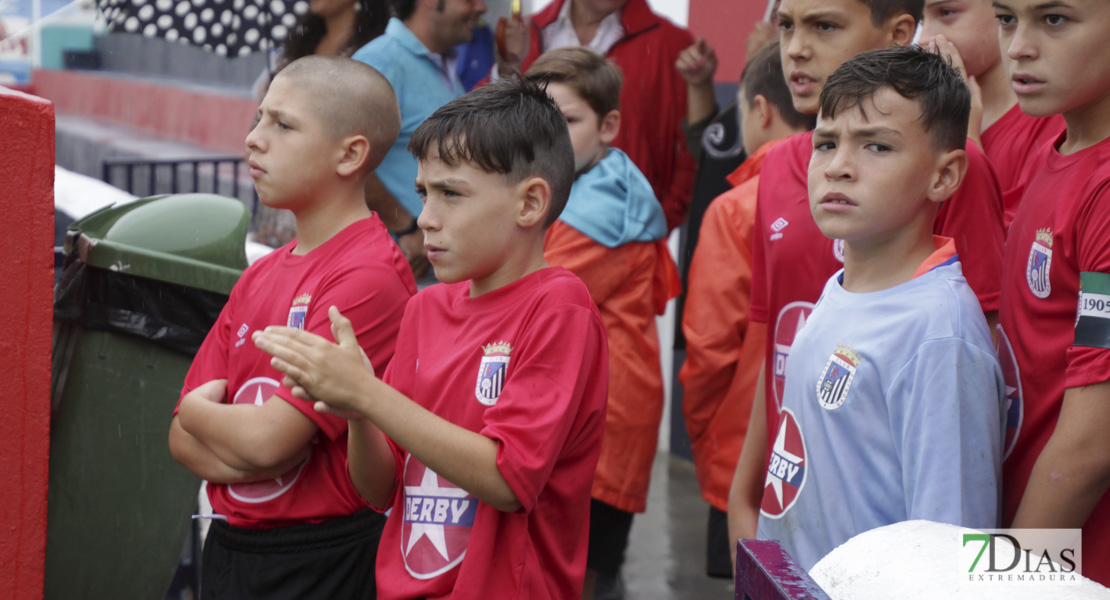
[[609, 528], [333, 559]]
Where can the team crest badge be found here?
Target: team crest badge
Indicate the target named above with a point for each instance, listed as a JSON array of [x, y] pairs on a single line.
[[298, 311], [436, 524], [256, 391], [1040, 262], [836, 379], [791, 319], [786, 472], [1011, 376], [491, 373]]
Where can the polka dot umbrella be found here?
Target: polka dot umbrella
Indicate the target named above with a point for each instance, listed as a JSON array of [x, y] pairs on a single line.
[[227, 27]]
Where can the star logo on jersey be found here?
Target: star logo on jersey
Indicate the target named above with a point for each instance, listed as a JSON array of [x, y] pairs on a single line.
[[491, 372], [836, 379], [1011, 375], [256, 391], [791, 320], [437, 521], [1039, 264], [786, 472]]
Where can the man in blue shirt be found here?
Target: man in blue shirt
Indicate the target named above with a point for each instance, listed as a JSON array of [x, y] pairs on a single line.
[[415, 55]]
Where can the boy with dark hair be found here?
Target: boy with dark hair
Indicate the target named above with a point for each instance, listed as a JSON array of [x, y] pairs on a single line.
[[723, 346], [612, 235], [791, 258], [292, 523], [892, 406], [1011, 139], [494, 404], [1054, 334]]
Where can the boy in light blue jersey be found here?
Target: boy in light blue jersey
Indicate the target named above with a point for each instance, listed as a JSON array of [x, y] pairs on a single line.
[[892, 407]]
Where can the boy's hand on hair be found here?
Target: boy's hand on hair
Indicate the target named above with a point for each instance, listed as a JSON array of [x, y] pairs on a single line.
[[413, 247], [761, 35], [698, 63], [518, 38], [943, 46], [316, 369]]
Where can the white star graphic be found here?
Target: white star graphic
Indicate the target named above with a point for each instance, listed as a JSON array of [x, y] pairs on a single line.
[[429, 487], [801, 323], [258, 399], [780, 449]]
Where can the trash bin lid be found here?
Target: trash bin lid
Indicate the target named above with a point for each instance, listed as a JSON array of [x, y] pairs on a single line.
[[196, 240]]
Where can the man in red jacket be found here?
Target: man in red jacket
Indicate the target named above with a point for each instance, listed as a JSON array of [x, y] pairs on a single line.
[[653, 100]]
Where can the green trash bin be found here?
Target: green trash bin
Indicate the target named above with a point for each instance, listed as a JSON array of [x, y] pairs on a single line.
[[142, 285]]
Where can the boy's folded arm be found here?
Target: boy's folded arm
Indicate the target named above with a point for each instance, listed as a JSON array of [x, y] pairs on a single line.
[[466, 458], [203, 462], [248, 437], [1072, 473]]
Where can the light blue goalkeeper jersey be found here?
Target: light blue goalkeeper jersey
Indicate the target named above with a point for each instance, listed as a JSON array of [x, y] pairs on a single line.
[[892, 412]]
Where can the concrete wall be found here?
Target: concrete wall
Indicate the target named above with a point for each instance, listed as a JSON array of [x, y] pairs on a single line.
[[27, 237]]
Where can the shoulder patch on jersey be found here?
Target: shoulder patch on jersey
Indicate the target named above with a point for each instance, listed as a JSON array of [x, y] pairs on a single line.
[[786, 471], [836, 379], [1092, 320], [1040, 263], [491, 372]]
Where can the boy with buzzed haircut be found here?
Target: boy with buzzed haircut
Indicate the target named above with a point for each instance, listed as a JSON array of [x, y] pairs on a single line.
[[612, 235], [289, 522], [723, 346], [892, 406], [1012, 140], [483, 434], [1054, 338], [791, 259]]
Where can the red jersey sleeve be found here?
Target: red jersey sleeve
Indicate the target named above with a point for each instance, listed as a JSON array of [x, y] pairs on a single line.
[[973, 218], [558, 378], [373, 297], [1089, 363]]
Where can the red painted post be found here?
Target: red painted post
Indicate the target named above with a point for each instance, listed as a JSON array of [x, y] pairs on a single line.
[[26, 273], [764, 571]]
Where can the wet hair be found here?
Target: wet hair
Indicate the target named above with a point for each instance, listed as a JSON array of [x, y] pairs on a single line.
[[763, 76], [914, 73], [403, 9], [511, 127], [350, 98], [594, 78], [883, 10], [372, 17]]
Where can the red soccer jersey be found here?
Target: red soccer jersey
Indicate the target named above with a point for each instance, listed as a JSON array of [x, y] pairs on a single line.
[[363, 273], [1015, 145], [792, 259], [1059, 243], [525, 365]]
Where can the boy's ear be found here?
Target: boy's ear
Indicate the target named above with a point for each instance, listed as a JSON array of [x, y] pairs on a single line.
[[951, 168], [762, 111], [901, 29], [610, 126], [355, 151], [535, 200]]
